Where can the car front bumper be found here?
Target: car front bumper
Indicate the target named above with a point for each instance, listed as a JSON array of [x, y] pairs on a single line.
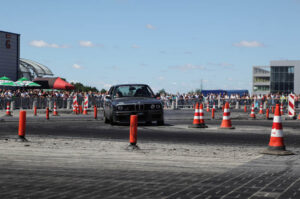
[[146, 116]]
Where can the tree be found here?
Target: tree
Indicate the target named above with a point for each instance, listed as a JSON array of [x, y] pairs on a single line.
[[82, 88], [103, 90], [162, 91]]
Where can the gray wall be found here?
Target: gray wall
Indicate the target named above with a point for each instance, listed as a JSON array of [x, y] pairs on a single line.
[[9, 57], [296, 65]]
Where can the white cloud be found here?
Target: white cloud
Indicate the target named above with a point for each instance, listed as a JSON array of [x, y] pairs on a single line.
[[135, 46], [187, 67], [151, 27], [86, 44], [43, 44], [77, 66], [248, 44]]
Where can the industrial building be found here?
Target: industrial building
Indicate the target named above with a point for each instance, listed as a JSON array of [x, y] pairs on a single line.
[[10, 63], [281, 76]]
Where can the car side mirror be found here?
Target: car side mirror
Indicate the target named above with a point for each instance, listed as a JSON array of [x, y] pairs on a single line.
[[108, 97], [157, 96]]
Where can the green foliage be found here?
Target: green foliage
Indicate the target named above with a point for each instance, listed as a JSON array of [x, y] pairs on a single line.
[[198, 91], [82, 88], [162, 91], [103, 90]]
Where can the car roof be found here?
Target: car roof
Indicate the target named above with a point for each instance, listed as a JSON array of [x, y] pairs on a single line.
[[130, 85]]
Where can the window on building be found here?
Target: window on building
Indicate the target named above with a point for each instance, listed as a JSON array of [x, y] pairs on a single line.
[[282, 79]]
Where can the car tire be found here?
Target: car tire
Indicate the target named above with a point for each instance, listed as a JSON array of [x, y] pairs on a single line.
[[160, 122], [112, 121], [106, 120]]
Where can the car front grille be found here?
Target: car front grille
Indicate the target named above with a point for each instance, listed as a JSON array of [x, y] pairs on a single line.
[[139, 107]]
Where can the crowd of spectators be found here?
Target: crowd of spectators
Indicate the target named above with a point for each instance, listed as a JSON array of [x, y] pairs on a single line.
[[26, 97], [190, 99]]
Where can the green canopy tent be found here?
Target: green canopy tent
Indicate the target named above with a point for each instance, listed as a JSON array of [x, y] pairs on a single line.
[[5, 81], [24, 82]]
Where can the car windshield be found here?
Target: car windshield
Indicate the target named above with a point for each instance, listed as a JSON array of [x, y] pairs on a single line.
[[133, 91]]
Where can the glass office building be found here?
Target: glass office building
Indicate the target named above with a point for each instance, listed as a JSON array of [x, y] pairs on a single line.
[[279, 77], [282, 79]]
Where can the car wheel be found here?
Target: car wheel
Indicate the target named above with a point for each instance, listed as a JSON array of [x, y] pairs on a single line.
[[106, 120], [112, 121], [160, 122]]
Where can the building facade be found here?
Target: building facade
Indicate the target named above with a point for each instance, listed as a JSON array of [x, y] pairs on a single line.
[[9, 54], [280, 76]]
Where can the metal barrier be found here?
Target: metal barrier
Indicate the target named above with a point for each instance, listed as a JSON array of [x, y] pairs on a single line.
[[180, 103], [42, 102]]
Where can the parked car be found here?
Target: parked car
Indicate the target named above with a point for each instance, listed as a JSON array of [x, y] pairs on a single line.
[[132, 99]]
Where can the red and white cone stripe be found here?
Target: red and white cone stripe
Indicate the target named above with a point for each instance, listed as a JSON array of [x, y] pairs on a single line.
[[252, 114], [276, 139], [74, 103], [292, 112], [85, 105]]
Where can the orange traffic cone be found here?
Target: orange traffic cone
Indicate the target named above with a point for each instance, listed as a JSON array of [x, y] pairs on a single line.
[[276, 145], [196, 122], [207, 107], [201, 114], [252, 114], [281, 109], [267, 113], [299, 117], [55, 110], [245, 108], [226, 122], [8, 113], [272, 109], [261, 109]]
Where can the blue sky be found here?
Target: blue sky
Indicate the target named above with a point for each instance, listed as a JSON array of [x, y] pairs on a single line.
[[170, 44]]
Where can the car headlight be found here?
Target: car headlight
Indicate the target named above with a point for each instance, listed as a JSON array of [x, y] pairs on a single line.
[[152, 106], [120, 108], [157, 106]]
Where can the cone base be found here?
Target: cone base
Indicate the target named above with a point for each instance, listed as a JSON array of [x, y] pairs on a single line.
[[198, 126], [276, 151], [6, 115], [231, 127], [132, 146], [21, 139]]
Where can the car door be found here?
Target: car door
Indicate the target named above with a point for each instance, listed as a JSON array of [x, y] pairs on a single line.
[[108, 102]]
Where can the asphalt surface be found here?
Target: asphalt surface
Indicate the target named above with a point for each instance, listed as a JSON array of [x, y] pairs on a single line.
[[46, 168]]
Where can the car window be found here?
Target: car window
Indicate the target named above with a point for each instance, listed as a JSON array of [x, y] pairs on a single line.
[[132, 91]]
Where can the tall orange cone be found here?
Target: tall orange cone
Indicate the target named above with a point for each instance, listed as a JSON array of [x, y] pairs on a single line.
[[55, 110], [252, 114], [261, 109], [276, 145], [207, 107], [273, 110], [226, 122], [299, 116], [213, 111], [245, 108], [8, 113], [267, 113]]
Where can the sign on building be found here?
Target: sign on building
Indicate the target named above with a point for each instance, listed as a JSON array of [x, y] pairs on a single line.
[[9, 54]]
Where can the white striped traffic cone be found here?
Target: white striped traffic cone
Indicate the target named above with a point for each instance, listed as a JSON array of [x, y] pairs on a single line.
[[276, 144]]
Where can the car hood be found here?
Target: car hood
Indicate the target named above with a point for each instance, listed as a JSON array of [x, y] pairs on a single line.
[[134, 100]]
